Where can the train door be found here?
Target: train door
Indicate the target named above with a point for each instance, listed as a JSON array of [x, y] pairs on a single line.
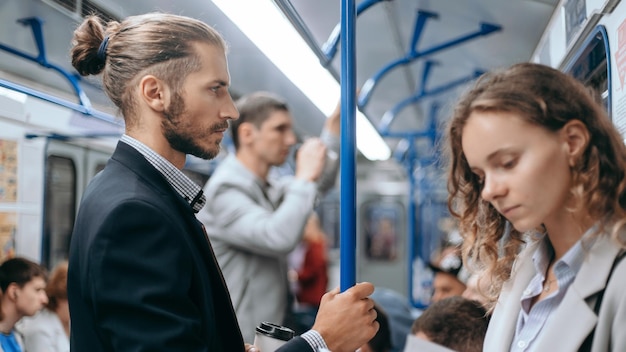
[[68, 169]]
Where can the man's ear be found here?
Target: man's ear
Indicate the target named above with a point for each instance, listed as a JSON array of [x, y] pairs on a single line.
[[576, 137], [11, 291], [154, 92], [246, 132]]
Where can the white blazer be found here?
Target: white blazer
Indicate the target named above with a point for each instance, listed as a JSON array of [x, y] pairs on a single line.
[[574, 319]]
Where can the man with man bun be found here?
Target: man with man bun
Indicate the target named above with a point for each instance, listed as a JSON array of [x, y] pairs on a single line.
[[142, 273]]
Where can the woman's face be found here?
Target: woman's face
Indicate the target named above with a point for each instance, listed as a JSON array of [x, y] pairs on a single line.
[[524, 168], [32, 297]]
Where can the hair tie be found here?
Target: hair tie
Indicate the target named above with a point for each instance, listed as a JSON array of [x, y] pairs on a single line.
[[102, 50]]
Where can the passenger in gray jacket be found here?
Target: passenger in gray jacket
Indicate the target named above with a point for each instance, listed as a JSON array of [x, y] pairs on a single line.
[[253, 221]]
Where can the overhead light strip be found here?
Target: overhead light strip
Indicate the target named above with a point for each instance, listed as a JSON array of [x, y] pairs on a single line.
[[263, 23]]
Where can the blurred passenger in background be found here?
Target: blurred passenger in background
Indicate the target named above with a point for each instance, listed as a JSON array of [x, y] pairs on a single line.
[[457, 323], [310, 276], [449, 274], [23, 285], [538, 182], [477, 288], [254, 221], [49, 330], [400, 315]]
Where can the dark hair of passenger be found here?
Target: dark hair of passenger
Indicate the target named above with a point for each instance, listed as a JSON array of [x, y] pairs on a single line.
[[454, 322], [255, 108], [381, 342], [544, 97], [57, 286], [151, 44], [19, 271]]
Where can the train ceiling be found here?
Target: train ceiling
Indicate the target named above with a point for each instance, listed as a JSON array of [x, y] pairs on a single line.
[[491, 33]]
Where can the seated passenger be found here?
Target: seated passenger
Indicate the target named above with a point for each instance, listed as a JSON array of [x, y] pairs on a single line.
[[399, 313], [49, 330], [381, 342], [455, 322], [23, 285]]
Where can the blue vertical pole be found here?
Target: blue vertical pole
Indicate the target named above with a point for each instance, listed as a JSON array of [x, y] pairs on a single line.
[[347, 210], [411, 228]]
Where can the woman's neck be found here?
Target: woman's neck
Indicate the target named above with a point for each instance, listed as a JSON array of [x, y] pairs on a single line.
[[564, 234]]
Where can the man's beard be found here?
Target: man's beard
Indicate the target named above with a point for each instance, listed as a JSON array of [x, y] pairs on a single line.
[[181, 138]]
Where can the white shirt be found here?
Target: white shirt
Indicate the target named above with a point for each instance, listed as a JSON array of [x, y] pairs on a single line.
[[44, 332]]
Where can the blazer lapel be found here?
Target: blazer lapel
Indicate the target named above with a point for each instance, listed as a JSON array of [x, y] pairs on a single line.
[[504, 320], [575, 314]]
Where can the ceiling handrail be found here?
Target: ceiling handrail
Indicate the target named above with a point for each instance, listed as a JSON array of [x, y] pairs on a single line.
[[330, 46], [414, 54], [390, 115], [84, 106]]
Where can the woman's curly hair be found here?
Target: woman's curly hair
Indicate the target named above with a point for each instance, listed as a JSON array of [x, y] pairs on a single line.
[[548, 98]]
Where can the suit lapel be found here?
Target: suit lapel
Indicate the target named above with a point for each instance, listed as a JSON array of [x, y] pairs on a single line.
[[575, 314], [504, 320]]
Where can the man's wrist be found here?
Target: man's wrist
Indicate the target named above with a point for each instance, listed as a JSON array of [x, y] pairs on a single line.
[[315, 340]]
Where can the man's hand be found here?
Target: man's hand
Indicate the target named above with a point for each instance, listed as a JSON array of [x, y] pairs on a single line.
[[333, 122], [346, 320], [310, 159]]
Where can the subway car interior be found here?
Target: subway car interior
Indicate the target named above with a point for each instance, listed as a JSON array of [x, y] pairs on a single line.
[[400, 63]]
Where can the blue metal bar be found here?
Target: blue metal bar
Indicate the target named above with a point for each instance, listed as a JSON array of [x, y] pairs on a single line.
[[401, 149], [428, 65], [58, 101], [413, 237], [347, 210], [413, 54], [330, 46], [432, 126], [406, 153], [390, 115], [35, 24], [418, 28]]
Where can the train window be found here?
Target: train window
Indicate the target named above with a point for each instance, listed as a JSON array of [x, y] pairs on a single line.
[[60, 205], [591, 67], [381, 224]]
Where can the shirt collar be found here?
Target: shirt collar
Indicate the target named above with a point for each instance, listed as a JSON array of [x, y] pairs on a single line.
[[183, 185]]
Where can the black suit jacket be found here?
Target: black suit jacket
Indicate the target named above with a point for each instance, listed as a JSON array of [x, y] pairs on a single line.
[[142, 274]]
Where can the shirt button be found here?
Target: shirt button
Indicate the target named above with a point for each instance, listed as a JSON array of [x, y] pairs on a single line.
[[521, 344], [526, 292]]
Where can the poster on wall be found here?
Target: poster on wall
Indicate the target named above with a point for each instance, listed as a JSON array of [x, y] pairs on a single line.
[[8, 171], [7, 235], [618, 33]]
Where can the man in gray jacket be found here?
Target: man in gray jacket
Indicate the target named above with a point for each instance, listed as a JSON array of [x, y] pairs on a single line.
[[253, 221]]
